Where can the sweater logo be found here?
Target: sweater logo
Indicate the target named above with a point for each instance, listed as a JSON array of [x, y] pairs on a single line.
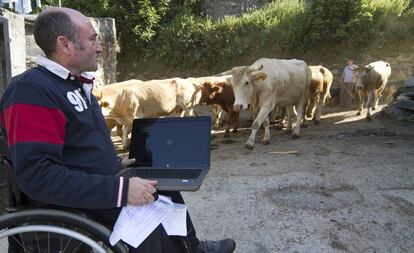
[[76, 99]]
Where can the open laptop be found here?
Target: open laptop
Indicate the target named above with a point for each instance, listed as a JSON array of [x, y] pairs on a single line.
[[174, 151]]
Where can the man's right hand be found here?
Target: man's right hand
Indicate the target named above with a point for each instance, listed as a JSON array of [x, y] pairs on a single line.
[[141, 191]]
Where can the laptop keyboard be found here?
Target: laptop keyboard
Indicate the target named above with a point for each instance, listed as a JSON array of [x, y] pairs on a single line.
[[163, 173]]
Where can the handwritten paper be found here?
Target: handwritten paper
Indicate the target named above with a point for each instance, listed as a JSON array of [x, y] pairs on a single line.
[[136, 223]]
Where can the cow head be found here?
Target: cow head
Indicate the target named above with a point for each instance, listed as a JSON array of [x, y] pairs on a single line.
[[244, 80], [209, 92], [361, 76], [105, 107]]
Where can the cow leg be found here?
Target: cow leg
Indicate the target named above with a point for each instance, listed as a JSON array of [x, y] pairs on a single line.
[[217, 113], [371, 97], [227, 119], [235, 121], [310, 108], [299, 117], [261, 117], [318, 108], [266, 137], [119, 130], [289, 113], [126, 129], [361, 101], [377, 97]]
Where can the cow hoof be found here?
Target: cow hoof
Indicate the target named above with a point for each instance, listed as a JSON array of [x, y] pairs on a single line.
[[265, 142], [248, 146], [358, 113], [235, 131], [368, 119], [317, 122], [295, 136]]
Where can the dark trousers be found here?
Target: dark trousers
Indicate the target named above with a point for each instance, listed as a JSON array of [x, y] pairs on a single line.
[[158, 241]]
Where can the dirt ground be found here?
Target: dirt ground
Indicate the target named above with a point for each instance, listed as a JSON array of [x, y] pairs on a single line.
[[346, 185]]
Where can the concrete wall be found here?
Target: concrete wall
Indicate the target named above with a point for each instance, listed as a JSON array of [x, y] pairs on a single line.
[[15, 55], [23, 48]]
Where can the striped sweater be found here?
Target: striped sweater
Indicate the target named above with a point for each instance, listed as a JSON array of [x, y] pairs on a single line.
[[60, 147]]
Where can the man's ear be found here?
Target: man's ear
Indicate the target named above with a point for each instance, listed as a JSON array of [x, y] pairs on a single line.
[[63, 45]]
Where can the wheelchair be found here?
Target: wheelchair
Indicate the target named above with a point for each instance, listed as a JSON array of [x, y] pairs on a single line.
[[25, 229], [39, 230]]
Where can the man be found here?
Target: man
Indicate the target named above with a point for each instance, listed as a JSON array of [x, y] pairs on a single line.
[[60, 147], [346, 95]]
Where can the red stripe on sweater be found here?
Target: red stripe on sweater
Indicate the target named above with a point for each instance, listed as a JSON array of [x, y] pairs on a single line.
[[33, 123]]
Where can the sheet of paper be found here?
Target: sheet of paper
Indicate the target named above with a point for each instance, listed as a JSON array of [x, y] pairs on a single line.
[[134, 224], [176, 221]]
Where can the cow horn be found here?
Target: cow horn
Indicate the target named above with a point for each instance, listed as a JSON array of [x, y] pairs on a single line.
[[227, 72], [256, 69]]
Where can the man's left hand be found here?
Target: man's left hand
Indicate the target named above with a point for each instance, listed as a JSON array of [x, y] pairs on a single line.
[[125, 162]]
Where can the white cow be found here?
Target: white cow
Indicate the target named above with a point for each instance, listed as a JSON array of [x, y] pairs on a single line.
[[370, 82], [268, 83], [154, 98]]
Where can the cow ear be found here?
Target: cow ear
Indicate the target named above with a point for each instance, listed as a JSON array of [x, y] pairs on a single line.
[[99, 97], [105, 104], [217, 88], [258, 76]]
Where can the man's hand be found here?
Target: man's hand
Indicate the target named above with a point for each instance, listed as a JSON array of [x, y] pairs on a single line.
[[141, 191], [125, 162]]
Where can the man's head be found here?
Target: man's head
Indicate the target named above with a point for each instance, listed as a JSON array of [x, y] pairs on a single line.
[[349, 61], [68, 37]]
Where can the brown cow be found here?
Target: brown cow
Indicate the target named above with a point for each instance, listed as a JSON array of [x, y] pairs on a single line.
[[318, 91], [221, 94]]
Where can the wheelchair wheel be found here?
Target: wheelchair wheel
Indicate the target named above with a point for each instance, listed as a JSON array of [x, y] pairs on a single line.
[[47, 230]]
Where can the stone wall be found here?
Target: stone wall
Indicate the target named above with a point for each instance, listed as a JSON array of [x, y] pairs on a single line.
[[14, 55], [23, 48]]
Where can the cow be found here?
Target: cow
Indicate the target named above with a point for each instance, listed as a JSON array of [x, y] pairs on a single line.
[[268, 83], [106, 96], [217, 111], [221, 94], [154, 98], [318, 91], [370, 82]]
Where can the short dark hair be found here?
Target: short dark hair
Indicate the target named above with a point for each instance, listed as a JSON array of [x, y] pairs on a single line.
[[48, 26]]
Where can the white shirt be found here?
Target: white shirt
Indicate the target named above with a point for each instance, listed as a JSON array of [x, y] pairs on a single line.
[[64, 73], [348, 74]]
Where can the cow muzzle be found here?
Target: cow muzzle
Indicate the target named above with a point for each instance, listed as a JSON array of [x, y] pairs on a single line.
[[237, 107]]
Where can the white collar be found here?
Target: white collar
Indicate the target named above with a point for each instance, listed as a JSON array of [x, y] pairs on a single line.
[[58, 69]]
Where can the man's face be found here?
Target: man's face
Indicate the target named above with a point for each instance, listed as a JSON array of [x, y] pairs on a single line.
[[87, 50], [349, 62]]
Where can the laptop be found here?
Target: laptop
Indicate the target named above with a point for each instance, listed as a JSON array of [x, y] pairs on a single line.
[[175, 151]]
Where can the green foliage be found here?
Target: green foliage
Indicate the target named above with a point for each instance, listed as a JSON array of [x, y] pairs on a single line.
[[177, 33], [199, 40]]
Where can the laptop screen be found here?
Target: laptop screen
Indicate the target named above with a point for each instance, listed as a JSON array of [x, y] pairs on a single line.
[[171, 142]]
